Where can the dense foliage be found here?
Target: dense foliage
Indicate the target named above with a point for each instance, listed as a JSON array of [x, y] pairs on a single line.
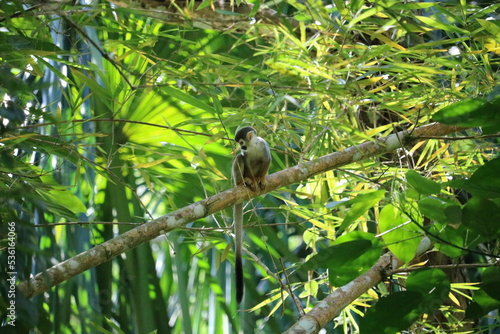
[[112, 115]]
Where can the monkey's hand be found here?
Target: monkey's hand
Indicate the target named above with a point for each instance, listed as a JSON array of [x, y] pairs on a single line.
[[250, 184]]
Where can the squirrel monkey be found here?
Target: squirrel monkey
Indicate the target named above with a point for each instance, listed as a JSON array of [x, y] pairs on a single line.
[[249, 168]]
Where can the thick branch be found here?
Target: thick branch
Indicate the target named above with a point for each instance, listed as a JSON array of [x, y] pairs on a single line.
[[335, 302], [219, 15], [150, 230]]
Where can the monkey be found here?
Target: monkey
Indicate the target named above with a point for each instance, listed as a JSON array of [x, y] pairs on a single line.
[[250, 167]]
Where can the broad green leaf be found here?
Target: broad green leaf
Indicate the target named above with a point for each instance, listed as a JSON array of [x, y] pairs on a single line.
[[359, 261], [40, 47], [470, 113], [62, 201], [359, 205], [422, 184], [491, 282], [440, 210], [350, 256], [337, 254], [432, 284], [482, 216], [481, 304], [53, 145], [59, 196], [447, 237], [404, 236], [485, 182], [392, 314]]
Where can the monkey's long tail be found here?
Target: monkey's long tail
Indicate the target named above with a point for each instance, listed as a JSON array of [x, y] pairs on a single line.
[[238, 241]]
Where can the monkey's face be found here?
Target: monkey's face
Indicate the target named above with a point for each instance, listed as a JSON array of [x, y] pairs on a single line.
[[243, 145], [246, 140], [244, 136]]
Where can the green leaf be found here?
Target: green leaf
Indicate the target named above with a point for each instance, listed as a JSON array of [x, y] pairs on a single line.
[[355, 5], [421, 184], [227, 12], [412, 5], [404, 237], [481, 304], [440, 210], [441, 25], [350, 256], [359, 205], [340, 6], [485, 182], [491, 282], [191, 100], [447, 237], [426, 290], [345, 270], [432, 284], [59, 196], [482, 216], [33, 45], [391, 314], [470, 113], [338, 254], [491, 26], [204, 4]]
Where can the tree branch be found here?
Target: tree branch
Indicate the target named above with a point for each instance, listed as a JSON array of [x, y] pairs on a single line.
[[335, 302], [219, 15], [152, 229]]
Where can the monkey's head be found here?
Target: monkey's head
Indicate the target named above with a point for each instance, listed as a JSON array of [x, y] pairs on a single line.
[[244, 135]]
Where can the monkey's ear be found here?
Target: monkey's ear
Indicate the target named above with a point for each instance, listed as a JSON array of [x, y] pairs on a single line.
[[250, 135]]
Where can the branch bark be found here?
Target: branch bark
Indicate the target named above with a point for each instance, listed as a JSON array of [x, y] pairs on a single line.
[[335, 302], [107, 250], [219, 15]]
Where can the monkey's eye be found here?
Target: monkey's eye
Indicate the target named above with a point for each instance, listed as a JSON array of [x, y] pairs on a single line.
[[243, 145]]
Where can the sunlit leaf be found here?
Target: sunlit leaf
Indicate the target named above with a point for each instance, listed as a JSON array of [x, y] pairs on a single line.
[[399, 233]]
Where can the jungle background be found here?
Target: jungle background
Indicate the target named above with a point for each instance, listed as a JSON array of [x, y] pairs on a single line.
[[118, 112]]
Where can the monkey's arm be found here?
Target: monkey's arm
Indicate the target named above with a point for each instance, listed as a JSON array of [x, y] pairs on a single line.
[[266, 162], [242, 173]]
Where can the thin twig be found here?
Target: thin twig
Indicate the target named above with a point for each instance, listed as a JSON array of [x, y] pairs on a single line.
[[284, 286], [496, 135], [444, 267], [119, 120], [97, 47], [85, 223]]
